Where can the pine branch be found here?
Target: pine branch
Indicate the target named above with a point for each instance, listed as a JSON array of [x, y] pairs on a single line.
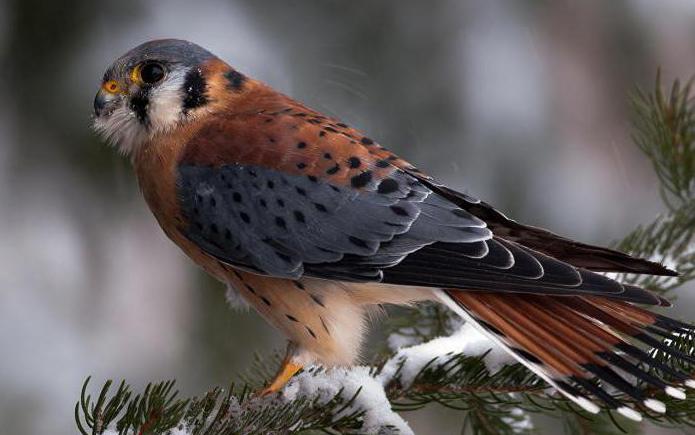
[[670, 239], [495, 403], [496, 400], [665, 131], [236, 411]]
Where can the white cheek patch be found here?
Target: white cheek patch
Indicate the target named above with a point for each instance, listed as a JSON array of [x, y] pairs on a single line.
[[165, 102]]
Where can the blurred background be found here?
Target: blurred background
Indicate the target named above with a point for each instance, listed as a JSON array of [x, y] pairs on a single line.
[[523, 103]]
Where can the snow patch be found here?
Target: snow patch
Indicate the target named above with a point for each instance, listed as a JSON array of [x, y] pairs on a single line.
[[519, 421], [404, 338], [372, 399], [466, 340]]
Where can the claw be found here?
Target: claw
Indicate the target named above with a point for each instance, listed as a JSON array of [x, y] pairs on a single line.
[[287, 370]]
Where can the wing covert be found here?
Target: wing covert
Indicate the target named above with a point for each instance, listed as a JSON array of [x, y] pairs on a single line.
[[276, 223]]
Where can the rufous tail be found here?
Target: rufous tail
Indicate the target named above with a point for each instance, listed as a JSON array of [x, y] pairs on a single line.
[[582, 344]]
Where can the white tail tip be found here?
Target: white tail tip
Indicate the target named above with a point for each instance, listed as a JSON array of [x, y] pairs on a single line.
[[586, 404], [678, 393], [629, 413], [655, 405], [690, 383]]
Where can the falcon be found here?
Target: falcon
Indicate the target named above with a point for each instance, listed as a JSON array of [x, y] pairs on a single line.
[[315, 224]]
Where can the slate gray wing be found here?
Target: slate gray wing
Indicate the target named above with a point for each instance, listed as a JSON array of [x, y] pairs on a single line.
[[578, 254], [276, 223], [289, 226]]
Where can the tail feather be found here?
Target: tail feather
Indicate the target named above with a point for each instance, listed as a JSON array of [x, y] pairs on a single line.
[[636, 322], [528, 360], [602, 339], [582, 344]]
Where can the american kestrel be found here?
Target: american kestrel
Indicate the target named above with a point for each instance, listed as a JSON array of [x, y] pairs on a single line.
[[315, 223]]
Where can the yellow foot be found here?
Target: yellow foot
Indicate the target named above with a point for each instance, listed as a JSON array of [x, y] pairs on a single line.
[[287, 370]]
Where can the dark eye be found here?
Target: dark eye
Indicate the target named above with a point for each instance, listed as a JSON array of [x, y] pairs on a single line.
[[152, 72]]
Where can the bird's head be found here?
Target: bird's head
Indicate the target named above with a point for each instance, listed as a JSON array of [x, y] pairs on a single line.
[[153, 88]]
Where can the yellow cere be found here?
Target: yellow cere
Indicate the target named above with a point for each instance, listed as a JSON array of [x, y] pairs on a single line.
[[111, 87], [135, 74]]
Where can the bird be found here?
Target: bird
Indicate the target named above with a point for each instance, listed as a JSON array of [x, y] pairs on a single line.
[[316, 225]]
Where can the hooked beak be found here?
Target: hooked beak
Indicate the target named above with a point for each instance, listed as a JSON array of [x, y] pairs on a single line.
[[100, 102]]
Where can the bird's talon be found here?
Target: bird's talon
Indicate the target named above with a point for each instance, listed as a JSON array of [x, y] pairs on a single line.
[[285, 373]]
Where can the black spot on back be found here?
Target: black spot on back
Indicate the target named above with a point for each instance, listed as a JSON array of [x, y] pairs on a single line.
[[361, 180], [333, 170], [388, 185], [354, 162], [299, 216], [235, 80], [280, 222], [366, 141]]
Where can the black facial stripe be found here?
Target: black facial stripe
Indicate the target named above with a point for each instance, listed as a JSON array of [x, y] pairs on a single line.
[[236, 80], [194, 87], [139, 103]]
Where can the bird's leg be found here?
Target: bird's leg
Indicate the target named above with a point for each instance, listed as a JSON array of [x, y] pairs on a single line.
[[288, 368]]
